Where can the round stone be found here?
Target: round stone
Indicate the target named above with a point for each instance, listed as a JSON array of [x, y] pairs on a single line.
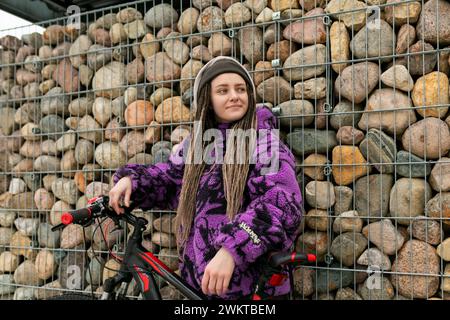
[[78, 50], [132, 143], [43, 199], [419, 63], [299, 112], [108, 80], [84, 151], [26, 274], [109, 155], [349, 164], [139, 113], [47, 237], [211, 19], [98, 57], [405, 38], [135, 71], [428, 138], [102, 110], [376, 39], [317, 219], [421, 258], [65, 189], [307, 31], [71, 236], [344, 197], [114, 131], [88, 129], [17, 186], [161, 15], [237, 14], [408, 199], [398, 77], [439, 207], [187, 24], [8, 262], [425, 229], [128, 15], [433, 24], [353, 20], [81, 106], [57, 210], [372, 194], [45, 264], [348, 221], [347, 247], [161, 69], [315, 88], [309, 55], [275, 90], [429, 91], [390, 120], [219, 45], [349, 135], [149, 46], [357, 81], [135, 29], [172, 110], [385, 236], [440, 175], [320, 194], [47, 163]]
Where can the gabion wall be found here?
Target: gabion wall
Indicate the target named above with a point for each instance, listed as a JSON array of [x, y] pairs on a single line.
[[361, 92]]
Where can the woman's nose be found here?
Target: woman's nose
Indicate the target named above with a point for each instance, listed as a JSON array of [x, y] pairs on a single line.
[[233, 95]]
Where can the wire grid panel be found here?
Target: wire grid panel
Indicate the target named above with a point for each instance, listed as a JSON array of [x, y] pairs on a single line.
[[360, 90]]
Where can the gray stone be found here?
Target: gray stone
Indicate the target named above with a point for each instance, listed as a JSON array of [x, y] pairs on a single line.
[[372, 195], [320, 194], [161, 15], [309, 141], [380, 149], [425, 229], [408, 199], [381, 290], [344, 198], [375, 258], [311, 55], [71, 271], [411, 166], [53, 125], [385, 236], [48, 238], [65, 189], [275, 90], [347, 247], [356, 82], [348, 221], [329, 280], [418, 62], [434, 21], [345, 114], [296, 113], [440, 175], [379, 38], [7, 284], [94, 275]]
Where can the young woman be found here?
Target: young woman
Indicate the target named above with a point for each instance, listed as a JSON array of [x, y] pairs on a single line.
[[232, 211]]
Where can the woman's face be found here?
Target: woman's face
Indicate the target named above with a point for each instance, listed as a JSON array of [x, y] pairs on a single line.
[[229, 97]]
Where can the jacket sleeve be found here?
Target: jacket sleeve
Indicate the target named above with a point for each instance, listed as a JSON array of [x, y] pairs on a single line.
[[157, 185], [271, 220]]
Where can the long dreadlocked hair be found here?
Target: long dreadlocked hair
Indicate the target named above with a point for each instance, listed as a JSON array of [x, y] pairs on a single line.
[[234, 174]]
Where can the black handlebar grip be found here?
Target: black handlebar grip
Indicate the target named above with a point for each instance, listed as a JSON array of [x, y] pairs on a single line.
[[76, 216]]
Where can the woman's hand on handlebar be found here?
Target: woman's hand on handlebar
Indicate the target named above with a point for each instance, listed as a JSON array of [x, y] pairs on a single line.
[[122, 190]]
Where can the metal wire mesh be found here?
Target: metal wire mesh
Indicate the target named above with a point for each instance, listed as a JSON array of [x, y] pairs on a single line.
[[360, 91]]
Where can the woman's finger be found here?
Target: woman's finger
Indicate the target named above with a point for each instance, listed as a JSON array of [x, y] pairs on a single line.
[[219, 286], [212, 284], [205, 282], [127, 197]]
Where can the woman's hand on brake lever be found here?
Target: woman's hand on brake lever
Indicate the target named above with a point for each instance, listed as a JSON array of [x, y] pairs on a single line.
[[122, 189]]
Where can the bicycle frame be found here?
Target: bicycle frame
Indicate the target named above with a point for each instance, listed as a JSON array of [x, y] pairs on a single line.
[[140, 264]]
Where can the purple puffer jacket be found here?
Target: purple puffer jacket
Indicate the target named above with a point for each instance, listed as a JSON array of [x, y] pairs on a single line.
[[269, 219]]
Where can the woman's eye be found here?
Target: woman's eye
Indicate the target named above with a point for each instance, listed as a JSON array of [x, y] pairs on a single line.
[[241, 90]]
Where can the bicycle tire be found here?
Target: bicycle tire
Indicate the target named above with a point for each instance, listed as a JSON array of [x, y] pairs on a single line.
[[73, 296]]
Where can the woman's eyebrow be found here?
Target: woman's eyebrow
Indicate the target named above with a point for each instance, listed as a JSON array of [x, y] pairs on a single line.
[[227, 84]]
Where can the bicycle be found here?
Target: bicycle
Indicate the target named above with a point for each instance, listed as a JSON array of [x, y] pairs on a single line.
[[142, 265]]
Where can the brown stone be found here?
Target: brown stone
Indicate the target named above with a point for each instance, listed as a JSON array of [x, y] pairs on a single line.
[[132, 143], [263, 71], [172, 110], [135, 71], [307, 31], [153, 133], [405, 38], [440, 175], [349, 135], [53, 34], [353, 164], [149, 46], [138, 113], [161, 70], [431, 91], [108, 80], [114, 131], [385, 236], [421, 258]]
